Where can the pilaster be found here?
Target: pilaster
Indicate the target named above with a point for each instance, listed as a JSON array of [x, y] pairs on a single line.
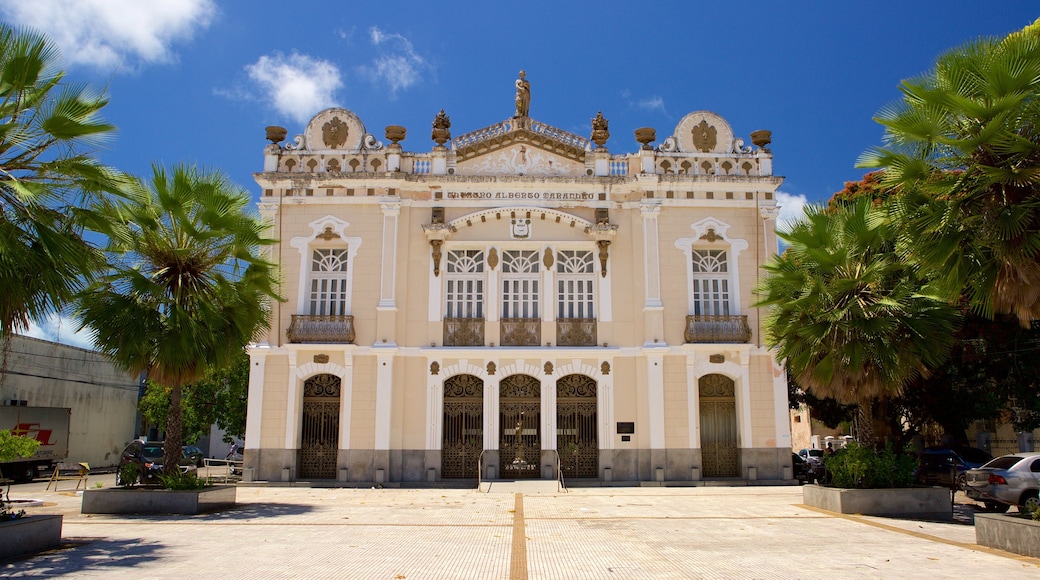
[[384, 396], [255, 402]]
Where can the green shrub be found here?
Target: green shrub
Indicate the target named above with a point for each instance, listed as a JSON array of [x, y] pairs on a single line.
[[183, 481], [863, 468], [128, 475]]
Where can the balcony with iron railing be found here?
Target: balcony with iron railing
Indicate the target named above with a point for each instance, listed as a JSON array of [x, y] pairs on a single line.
[[717, 328], [321, 328], [463, 332], [576, 331], [521, 332]]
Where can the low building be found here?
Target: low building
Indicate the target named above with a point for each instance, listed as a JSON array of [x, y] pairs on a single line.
[[102, 398], [515, 302]]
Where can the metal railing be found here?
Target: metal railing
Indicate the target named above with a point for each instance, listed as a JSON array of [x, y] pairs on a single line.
[[521, 331], [560, 484], [480, 471], [327, 328], [463, 332], [717, 328], [576, 331]]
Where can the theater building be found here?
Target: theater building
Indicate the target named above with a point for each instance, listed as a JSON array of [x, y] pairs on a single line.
[[517, 302]]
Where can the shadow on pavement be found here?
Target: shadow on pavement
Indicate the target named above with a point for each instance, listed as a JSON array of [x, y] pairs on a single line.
[[258, 510], [81, 554]]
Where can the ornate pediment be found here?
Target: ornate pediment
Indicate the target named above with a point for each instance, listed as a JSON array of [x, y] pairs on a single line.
[[522, 146], [520, 159]]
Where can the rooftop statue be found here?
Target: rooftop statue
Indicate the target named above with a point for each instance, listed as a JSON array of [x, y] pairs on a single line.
[[523, 96]]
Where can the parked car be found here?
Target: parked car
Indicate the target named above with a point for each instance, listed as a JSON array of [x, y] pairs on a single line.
[[815, 458], [802, 469], [1007, 480], [194, 453], [946, 466], [148, 456]]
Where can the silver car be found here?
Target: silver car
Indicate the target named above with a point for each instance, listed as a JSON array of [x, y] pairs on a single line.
[[1007, 480]]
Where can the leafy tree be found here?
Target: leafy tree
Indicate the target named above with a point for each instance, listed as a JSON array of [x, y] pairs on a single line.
[[186, 287], [219, 398], [48, 131], [962, 147], [846, 314]]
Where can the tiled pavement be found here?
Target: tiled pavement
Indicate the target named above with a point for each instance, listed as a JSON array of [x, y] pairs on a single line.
[[595, 533]]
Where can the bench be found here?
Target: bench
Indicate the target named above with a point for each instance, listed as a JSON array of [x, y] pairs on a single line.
[[222, 470], [69, 472]]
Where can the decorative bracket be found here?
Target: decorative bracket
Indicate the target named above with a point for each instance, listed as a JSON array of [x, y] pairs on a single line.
[[603, 245], [436, 233]]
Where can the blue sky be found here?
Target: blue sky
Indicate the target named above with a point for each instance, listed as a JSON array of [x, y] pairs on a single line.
[[198, 80]]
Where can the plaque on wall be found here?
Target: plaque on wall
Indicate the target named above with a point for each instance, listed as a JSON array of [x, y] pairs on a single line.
[[626, 427]]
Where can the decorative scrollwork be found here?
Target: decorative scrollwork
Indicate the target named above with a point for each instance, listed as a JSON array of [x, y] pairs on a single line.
[[323, 385], [520, 386], [716, 385], [463, 386], [575, 386]]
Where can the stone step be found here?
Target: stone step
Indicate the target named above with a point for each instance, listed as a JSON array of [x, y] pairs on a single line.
[[526, 486]]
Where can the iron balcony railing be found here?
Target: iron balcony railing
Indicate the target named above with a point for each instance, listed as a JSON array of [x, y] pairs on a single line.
[[576, 331], [463, 332], [321, 328], [521, 331], [717, 328]]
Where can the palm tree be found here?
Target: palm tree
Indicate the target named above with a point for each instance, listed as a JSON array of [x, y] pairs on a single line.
[[48, 129], [186, 287], [963, 150], [846, 314]]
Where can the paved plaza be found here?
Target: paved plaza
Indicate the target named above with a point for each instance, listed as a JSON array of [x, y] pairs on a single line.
[[594, 533]]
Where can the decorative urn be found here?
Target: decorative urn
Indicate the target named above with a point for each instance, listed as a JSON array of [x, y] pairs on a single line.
[[646, 136], [395, 133], [761, 138], [276, 134]]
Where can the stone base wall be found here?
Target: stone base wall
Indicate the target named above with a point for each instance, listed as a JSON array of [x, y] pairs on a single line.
[[424, 466], [1010, 533]]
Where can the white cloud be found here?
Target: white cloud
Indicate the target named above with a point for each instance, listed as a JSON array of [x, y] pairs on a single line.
[[56, 328], [296, 85], [399, 66], [791, 209], [111, 33], [654, 103]]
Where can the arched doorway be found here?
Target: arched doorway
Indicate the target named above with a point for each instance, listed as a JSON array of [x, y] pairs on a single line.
[[463, 438], [576, 427], [319, 445], [718, 405], [520, 446]]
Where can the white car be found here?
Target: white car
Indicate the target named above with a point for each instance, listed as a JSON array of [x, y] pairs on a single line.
[[1007, 480]]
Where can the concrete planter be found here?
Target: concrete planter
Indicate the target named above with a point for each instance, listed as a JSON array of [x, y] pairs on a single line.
[[924, 502], [1010, 533], [29, 535], [157, 501]]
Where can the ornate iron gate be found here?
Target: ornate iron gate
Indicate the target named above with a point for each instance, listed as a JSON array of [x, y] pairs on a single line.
[[576, 430], [718, 426], [319, 447], [520, 447], [463, 426]]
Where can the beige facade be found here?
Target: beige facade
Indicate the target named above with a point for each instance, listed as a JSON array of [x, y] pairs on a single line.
[[516, 302]]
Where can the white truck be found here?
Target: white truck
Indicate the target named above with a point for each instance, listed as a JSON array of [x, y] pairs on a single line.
[[49, 426]]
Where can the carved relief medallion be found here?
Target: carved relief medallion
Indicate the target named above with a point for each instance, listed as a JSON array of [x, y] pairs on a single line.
[[520, 228], [435, 368], [334, 133], [705, 137], [321, 358]]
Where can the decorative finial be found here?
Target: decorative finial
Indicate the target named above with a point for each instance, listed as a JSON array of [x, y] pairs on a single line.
[[600, 134], [523, 96], [441, 124], [395, 133], [761, 138], [646, 136], [276, 134]]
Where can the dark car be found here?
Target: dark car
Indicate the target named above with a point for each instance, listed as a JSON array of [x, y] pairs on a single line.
[[946, 466], [803, 472], [194, 453], [148, 456]]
